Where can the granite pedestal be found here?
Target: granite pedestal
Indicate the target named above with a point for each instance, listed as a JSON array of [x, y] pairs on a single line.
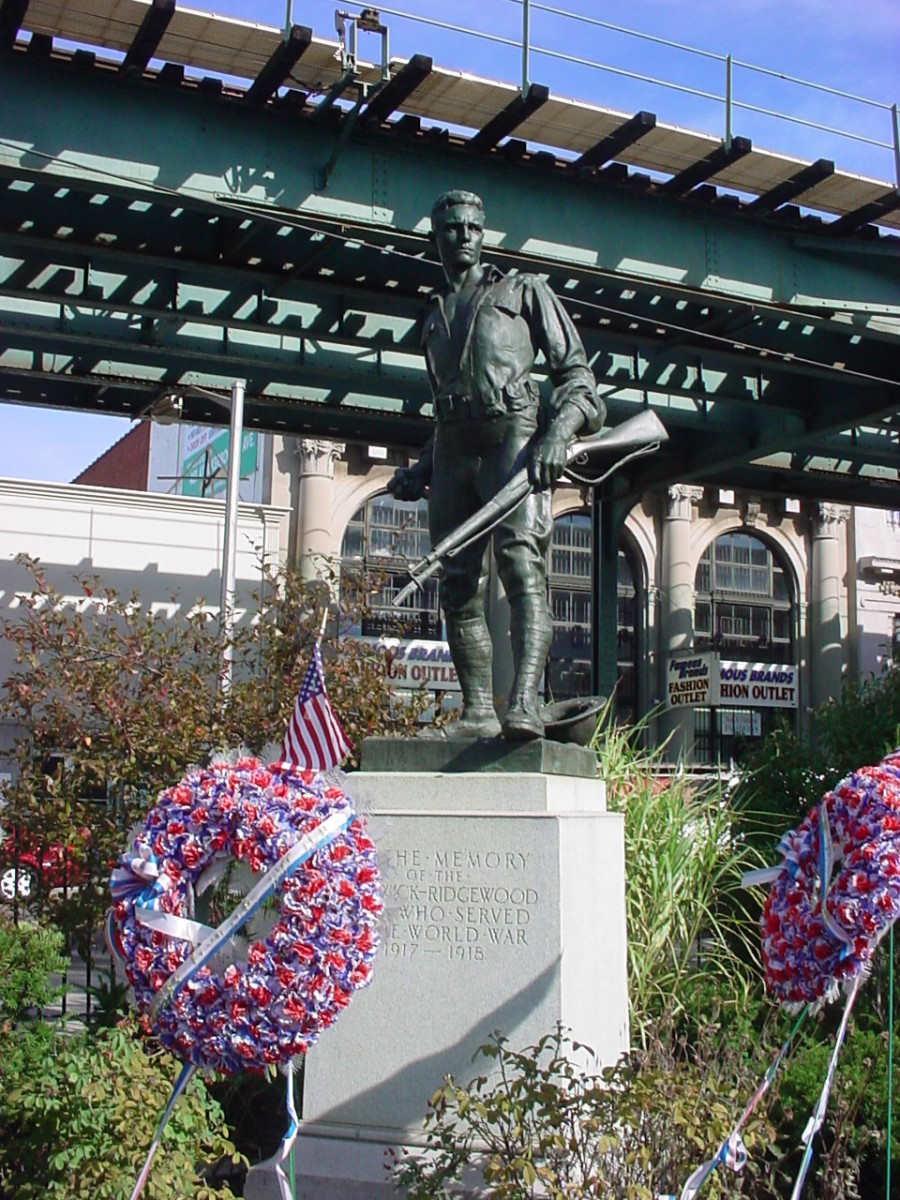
[[504, 910]]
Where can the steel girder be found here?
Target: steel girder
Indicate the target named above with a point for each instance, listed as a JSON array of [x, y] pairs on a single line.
[[185, 242]]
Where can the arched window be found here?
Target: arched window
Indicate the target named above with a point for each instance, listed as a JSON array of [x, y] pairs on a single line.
[[742, 609], [380, 540], [743, 601], [569, 669]]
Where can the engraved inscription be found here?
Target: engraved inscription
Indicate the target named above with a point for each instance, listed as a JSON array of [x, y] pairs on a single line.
[[462, 904]]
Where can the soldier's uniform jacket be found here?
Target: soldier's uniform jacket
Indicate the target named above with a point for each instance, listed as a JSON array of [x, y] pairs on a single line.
[[485, 371]]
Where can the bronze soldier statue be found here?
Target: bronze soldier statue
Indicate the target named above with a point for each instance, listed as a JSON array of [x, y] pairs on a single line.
[[481, 335]]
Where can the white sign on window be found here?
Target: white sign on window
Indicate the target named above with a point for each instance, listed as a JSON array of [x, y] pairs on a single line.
[[692, 679], [760, 685]]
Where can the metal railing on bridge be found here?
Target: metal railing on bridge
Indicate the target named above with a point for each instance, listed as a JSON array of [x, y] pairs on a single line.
[[730, 99]]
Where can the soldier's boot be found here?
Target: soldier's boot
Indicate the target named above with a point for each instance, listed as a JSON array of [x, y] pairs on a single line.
[[531, 631], [472, 653]]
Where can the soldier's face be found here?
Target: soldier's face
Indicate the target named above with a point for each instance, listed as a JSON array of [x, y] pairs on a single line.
[[458, 235]]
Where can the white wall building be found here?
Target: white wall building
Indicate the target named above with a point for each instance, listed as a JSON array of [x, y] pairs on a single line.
[[167, 549]]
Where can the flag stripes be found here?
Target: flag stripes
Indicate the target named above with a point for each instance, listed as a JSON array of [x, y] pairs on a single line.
[[314, 738]]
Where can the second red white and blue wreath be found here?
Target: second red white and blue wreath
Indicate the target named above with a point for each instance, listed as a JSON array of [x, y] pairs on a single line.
[[295, 980]]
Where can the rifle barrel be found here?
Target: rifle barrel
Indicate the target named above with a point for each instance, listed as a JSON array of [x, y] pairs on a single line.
[[642, 429]]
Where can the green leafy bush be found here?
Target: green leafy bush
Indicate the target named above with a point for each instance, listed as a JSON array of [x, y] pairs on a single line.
[[790, 772], [540, 1125], [78, 1111], [78, 1114], [29, 954]]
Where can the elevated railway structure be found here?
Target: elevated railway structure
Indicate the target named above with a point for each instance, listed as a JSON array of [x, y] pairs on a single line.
[[186, 200]]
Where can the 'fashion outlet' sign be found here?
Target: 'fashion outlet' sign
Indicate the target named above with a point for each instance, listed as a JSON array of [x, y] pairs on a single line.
[[420, 663], [703, 679], [758, 685], [692, 679]]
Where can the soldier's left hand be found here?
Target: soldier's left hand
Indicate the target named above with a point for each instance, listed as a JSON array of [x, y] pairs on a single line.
[[548, 460]]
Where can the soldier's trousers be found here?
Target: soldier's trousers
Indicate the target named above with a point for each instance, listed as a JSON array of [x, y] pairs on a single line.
[[473, 459]]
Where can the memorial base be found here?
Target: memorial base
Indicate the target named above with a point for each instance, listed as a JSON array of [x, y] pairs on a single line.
[[504, 911]]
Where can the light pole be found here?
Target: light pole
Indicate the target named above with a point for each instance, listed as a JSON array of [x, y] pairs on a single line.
[[168, 409], [229, 549]]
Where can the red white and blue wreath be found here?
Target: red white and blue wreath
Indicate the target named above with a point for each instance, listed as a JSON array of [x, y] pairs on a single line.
[[837, 891], [295, 825], [834, 896], [295, 828]]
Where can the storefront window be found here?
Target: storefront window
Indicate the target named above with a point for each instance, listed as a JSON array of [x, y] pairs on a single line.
[[381, 538], [569, 669], [743, 610]]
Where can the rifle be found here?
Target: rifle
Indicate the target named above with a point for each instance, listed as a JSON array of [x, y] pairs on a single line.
[[641, 434]]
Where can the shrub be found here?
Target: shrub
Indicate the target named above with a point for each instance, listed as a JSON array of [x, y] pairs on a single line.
[[790, 772], [78, 1114], [29, 954], [540, 1125]]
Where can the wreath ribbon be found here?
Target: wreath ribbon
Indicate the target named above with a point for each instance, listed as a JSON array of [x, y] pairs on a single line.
[[305, 848]]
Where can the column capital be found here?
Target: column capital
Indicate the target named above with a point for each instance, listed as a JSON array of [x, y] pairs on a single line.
[[827, 518], [318, 456], [681, 498]]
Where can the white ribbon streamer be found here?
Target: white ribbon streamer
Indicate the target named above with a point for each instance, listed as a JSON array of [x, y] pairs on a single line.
[[172, 926], [818, 1116], [305, 848]]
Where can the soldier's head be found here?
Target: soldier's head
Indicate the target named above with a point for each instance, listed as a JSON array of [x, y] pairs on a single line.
[[457, 229]]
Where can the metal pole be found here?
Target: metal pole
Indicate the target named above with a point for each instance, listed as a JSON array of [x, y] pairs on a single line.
[[890, 1078], [728, 102], [288, 18], [526, 44], [229, 550], [896, 123]]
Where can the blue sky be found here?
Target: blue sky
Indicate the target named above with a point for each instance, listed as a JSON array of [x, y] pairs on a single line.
[[853, 48]]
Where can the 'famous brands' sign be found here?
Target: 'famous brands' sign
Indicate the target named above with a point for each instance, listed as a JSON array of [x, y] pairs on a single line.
[[414, 664], [758, 685], [692, 679], [701, 679]]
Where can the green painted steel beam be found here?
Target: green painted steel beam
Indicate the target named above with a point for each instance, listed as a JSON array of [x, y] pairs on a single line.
[[181, 142], [188, 242], [698, 363]]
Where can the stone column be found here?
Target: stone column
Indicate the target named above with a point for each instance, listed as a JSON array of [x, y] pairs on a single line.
[[826, 648], [314, 504], [677, 591]]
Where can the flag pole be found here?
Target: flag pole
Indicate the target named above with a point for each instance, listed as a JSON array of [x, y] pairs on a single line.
[[322, 626]]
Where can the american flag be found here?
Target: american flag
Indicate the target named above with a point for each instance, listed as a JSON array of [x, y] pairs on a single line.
[[314, 738]]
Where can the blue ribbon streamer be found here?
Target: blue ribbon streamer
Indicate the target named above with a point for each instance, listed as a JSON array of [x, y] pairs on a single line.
[[826, 869]]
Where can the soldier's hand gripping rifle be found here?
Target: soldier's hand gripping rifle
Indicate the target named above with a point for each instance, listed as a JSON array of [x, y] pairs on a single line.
[[637, 436]]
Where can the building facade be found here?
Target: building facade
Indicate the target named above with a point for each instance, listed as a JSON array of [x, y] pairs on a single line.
[[786, 599], [165, 549]]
